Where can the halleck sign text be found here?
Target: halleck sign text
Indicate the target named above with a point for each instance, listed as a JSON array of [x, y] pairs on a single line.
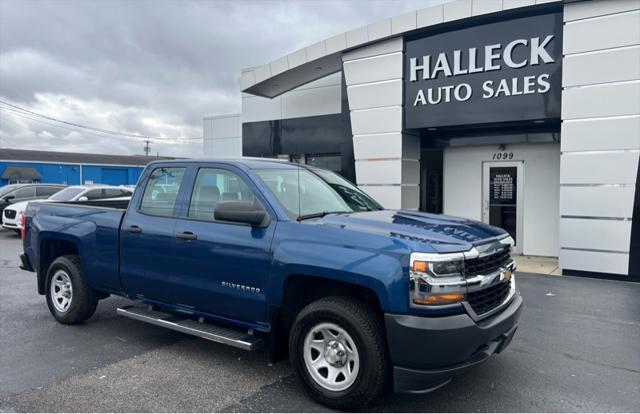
[[512, 74], [494, 59]]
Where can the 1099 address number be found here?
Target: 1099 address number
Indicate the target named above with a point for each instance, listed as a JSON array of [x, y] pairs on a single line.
[[502, 156]]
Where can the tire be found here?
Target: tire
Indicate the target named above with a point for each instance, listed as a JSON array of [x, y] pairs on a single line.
[[362, 340], [64, 277]]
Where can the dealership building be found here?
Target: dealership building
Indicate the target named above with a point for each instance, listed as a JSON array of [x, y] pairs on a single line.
[[524, 114]]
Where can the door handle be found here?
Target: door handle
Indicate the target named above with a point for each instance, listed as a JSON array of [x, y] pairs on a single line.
[[187, 235], [134, 229]]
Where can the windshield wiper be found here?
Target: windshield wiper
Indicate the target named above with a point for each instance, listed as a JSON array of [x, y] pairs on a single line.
[[320, 214]]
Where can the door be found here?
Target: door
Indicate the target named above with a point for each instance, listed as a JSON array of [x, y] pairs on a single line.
[[431, 174], [224, 266], [148, 261], [502, 202]]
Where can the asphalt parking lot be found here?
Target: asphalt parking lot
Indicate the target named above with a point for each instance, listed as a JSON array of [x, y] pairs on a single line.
[[577, 349]]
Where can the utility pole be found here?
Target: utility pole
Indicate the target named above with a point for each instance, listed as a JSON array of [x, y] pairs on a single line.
[[147, 147]]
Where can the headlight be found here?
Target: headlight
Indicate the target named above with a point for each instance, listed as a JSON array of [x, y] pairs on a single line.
[[437, 279], [508, 240]]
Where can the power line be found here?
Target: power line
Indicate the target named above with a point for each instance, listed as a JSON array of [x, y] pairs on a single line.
[[23, 115], [103, 131]]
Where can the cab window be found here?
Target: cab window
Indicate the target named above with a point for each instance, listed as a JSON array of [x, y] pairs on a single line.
[[214, 186], [161, 192]]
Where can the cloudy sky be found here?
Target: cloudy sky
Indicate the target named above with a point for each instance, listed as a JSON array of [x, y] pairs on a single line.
[[150, 68]]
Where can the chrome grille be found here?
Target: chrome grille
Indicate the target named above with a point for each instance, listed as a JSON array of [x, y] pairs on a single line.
[[487, 264], [485, 300]]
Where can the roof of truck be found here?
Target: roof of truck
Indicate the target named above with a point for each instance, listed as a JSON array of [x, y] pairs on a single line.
[[251, 163]]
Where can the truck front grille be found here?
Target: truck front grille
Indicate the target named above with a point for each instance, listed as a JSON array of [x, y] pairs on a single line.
[[10, 214], [485, 300], [487, 264]]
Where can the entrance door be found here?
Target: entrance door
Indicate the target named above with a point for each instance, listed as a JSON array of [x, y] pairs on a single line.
[[502, 191], [431, 173]]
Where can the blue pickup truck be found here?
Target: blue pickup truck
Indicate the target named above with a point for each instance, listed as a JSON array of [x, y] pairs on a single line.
[[262, 253]]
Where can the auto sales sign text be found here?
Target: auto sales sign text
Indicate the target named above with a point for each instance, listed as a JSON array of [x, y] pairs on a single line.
[[498, 72]]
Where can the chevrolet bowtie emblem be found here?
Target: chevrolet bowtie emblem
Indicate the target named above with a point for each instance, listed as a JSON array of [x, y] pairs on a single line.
[[505, 275]]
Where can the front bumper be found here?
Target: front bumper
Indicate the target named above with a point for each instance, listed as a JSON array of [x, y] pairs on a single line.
[[11, 226], [11, 223], [427, 352]]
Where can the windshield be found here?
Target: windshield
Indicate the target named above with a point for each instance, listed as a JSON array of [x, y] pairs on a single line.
[[7, 189], [305, 193], [67, 194]]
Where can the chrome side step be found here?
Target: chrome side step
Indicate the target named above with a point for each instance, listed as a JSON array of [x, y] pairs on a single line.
[[215, 333]]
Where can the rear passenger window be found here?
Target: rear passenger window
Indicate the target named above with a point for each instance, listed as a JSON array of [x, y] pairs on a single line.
[[112, 192], [93, 194], [214, 186], [24, 193], [46, 191], [161, 192]]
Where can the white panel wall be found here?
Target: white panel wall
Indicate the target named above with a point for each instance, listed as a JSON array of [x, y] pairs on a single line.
[[222, 136], [600, 134], [597, 201], [320, 97], [387, 159], [593, 68], [594, 261], [463, 190], [601, 32], [597, 134]]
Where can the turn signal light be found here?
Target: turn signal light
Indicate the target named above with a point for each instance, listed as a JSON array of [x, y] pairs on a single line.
[[420, 266], [439, 299]]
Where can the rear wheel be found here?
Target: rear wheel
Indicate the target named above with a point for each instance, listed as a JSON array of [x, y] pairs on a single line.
[[337, 349], [69, 299]]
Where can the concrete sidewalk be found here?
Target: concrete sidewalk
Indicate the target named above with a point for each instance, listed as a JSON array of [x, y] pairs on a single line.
[[538, 264]]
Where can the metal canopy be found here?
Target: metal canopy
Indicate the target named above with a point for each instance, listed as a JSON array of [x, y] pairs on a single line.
[[21, 173]]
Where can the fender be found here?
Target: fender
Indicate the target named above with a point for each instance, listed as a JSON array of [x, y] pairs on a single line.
[[95, 237], [327, 255]]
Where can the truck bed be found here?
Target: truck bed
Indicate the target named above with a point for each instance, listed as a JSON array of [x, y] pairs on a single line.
[[91, 227], [116, 203]]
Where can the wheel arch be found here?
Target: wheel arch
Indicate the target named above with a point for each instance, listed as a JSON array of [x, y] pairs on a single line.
[[300, 289], [50, 248]]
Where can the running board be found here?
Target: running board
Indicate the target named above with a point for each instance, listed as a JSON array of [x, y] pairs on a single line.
[[215, 333]]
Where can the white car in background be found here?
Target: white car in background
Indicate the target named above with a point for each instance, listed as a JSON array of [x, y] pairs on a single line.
[[12, 215]]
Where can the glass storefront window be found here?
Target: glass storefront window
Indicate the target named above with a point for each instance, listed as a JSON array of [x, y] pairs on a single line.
[[331, 162]]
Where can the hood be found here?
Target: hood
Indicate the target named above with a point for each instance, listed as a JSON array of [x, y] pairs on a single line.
[[20, 206], [443, 233]]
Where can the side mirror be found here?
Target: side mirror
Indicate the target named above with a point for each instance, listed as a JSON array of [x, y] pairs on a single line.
[[83, 198], [9, 198], [240, 212]]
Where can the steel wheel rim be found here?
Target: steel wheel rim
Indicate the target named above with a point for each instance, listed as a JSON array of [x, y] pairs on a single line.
[[61, 291], [331, 357]]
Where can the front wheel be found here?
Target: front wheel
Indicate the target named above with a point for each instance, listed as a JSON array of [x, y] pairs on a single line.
[[69, 299], [337, 349]]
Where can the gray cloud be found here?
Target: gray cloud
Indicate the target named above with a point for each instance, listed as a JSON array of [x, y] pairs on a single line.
[[149, 67]]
